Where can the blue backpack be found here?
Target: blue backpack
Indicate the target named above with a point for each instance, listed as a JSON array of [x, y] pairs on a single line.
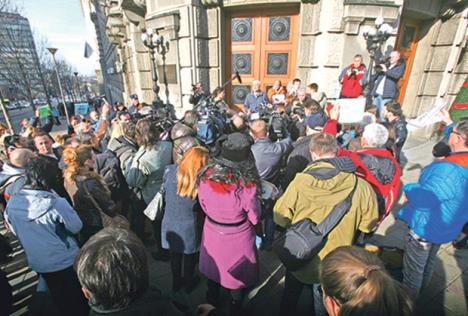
[[208, 129]]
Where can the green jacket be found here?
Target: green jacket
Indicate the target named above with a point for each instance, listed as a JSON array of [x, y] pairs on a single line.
[[308, 197]]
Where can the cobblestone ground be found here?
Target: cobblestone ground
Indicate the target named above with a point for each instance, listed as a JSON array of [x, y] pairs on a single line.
[[446, 295]]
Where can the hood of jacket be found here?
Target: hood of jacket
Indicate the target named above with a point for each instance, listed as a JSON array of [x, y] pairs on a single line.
[[181, 130], [8, 172], [119, 143], [43, 201], [382, 167]]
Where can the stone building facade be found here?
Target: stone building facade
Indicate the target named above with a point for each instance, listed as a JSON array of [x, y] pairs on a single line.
[[278, 39], [108, 67]]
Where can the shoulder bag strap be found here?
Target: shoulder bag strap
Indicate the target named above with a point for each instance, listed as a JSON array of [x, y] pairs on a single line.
[[337, 213], [95, 203]]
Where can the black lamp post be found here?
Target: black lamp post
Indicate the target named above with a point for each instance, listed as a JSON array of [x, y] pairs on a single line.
[[77, 84], [375, 37], [155, 43]]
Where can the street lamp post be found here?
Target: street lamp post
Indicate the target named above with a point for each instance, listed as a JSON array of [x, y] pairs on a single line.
[[77, 84], [155, 43], [53, 51], [375, 37]]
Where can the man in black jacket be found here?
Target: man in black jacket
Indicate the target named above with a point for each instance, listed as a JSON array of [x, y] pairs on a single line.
[[43, 143], [394, 115]]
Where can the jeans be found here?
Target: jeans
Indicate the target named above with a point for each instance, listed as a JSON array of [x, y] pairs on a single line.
[[269, 224], [291, 293], [380, 102], [418, 263]]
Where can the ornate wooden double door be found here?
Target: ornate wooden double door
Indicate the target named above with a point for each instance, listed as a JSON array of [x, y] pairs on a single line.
[[261, 48]]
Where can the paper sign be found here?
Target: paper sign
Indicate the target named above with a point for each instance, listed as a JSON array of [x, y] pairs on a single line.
[[44, 111], [351, 110], [427, 118], [278, 98], [81, 109]]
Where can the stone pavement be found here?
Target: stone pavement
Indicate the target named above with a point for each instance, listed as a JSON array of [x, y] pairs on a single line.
[[446, 295]]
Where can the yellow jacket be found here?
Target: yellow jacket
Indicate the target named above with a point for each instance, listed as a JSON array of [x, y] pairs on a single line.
[[308, 197]]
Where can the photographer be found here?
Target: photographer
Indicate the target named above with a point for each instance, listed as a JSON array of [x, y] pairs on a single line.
[[385, 88], [199, 93], [352, 78]]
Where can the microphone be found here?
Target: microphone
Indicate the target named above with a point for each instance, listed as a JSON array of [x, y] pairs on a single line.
[[238, 77]]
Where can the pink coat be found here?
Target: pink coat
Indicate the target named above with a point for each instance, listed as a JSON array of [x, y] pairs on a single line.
[[228, 254]]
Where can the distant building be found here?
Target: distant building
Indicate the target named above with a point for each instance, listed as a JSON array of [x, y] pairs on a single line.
[[108, 68], [19, 62]]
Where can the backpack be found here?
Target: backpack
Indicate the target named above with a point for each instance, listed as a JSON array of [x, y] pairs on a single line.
[[107, 165], [209, 128], [304, 239]]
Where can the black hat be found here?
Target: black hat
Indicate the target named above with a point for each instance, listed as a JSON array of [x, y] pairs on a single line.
[[134, 96], [236, 147]]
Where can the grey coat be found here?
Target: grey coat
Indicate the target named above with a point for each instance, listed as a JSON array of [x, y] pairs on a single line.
[[144, 170]]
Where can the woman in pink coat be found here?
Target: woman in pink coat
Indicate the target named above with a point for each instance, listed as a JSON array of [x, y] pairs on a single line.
[[228, 192]]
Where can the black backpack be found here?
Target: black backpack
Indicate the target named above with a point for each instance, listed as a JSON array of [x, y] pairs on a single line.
[[304, 239], [107, 165]]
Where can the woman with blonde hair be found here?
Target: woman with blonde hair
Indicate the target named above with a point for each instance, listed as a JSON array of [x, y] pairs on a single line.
[[180, 232], [88, 191], [355, 282]]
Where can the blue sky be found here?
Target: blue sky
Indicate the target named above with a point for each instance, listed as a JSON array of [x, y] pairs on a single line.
[[63, 24]]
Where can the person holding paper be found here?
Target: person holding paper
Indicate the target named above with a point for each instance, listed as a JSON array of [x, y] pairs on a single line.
[[277, 93]]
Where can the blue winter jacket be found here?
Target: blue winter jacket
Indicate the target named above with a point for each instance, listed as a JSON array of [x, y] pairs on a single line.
[[44, 223], [255, 103], [437, 205]]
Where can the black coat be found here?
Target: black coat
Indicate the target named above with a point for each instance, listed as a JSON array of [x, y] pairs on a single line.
[[151, 304], [298, 159]]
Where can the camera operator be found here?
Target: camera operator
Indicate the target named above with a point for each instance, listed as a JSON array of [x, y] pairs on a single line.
[[199, 93], [218, 96], [352, 78], [385, 88], [184, 135], [255, 100], [269, 156]]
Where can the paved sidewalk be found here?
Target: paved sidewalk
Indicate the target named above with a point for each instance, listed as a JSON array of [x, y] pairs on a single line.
[[446, 295]]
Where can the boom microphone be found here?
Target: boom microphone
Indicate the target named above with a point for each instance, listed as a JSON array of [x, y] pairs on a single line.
[[238, 77]]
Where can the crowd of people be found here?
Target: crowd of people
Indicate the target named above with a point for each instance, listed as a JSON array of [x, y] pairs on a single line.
[[77, 201]]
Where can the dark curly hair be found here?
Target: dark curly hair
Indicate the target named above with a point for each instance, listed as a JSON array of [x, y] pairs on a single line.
[[226, 171]]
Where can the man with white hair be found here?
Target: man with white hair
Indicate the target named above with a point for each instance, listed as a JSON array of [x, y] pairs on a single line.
[[377, 166], [385, 88], [255, 100]]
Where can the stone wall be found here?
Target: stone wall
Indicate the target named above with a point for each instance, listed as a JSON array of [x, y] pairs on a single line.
[[440, 66], [330, 36]]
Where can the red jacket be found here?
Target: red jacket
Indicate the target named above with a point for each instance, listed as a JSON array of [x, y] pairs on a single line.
[[351, 85], [384, 178]]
